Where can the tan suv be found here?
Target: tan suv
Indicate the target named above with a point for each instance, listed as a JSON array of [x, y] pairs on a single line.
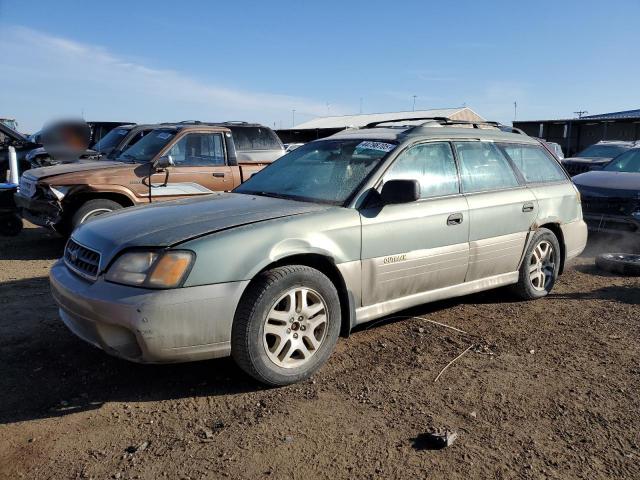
[[173, 161]]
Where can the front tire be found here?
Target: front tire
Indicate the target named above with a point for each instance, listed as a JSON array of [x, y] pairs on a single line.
[[540, 266], [287, 325], [91, 209]]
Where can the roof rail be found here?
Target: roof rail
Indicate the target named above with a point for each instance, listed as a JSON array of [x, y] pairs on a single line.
[[444, 121]]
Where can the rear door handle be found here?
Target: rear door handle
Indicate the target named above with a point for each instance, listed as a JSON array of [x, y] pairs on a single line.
[[454, 219], [218, 174], [527, 207]]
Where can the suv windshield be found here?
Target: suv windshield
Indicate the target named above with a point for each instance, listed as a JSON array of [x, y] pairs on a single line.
[[627, 162], [111, 140], [604, 151], [326, 171], [147, 148]]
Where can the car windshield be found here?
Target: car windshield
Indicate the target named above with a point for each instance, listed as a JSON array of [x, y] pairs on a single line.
[[604, 151], [325, 171], [627, 162], [111, 140], [147, 148]]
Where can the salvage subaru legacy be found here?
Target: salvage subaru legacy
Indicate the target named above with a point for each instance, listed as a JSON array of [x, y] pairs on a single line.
[[339, 232]]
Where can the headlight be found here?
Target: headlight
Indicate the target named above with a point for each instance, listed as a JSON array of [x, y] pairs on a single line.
[[151, 269], [59, 192], [636, 214]]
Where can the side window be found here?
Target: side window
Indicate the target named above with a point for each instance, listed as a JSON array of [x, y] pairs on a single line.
[[432, 164], [198, 150], [484, 167], [534, 163]]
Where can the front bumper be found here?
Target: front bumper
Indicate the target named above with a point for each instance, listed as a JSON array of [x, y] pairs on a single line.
[[45, 213], [148, 326], [617, 224]]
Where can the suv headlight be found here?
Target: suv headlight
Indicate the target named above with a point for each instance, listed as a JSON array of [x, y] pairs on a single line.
[[151, 269]]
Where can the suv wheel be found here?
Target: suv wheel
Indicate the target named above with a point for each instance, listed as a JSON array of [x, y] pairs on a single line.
[[540, 267], [92, 209], [287, 325]]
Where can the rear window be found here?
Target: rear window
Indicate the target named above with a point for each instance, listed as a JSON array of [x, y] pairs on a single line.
[[534, 163], [254, 138]]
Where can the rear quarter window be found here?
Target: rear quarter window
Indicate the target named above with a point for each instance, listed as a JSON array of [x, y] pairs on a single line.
[[535, 164]]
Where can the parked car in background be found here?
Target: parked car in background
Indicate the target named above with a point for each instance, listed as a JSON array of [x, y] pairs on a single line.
[[171, 162], [110, 147], [611, 196], [595, 156], [9, 122], [339, 232], [100, 129], [555, 148], [22, 144]]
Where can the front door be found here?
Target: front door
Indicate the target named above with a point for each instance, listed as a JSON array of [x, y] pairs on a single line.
[[199, 167], [501, 209], [419, 246]]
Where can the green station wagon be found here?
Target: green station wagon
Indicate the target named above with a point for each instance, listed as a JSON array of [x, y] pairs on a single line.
[[337, 233]]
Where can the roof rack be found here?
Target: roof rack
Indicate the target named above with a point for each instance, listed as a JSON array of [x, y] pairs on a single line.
[[444, 121]]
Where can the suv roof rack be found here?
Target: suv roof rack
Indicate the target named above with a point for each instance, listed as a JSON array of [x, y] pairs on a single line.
[[444, 121]]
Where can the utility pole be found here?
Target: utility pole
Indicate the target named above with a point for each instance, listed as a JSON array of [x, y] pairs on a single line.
[[580, 113], [413, 109], [515, 111], [293, 118]]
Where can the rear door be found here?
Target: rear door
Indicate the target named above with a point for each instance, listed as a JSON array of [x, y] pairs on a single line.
[[420, 246], [200, 167], [502, 209]]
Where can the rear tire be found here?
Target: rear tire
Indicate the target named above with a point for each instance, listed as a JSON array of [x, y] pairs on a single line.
[[540, 266], [92, 209], [286, 325]]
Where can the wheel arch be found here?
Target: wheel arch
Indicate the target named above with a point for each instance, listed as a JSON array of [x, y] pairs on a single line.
[[76, 199], [327, 266], [557, 231]]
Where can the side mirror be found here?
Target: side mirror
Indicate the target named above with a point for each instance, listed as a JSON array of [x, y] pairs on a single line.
[[163, 162], [400, 191]]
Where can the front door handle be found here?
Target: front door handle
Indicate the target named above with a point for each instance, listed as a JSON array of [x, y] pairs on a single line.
[[527, 207], [218, 174], [454, 219]]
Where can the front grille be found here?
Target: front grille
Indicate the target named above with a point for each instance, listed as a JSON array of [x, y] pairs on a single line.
[[610, 205], [576, 168], [82, 260]]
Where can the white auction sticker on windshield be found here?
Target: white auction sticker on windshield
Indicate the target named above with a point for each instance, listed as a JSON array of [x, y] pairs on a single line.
[[163, 135], [380, 146]]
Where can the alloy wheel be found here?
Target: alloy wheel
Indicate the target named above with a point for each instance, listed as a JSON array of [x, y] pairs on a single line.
[[295, 327], [542, 266]]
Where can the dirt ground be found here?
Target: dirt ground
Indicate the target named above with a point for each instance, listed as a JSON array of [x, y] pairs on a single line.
[[550, 390]]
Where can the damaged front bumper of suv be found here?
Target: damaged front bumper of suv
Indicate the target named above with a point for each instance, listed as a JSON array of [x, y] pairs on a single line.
[[40, 206]]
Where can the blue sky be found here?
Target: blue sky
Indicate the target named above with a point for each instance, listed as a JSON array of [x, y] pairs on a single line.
[[162, 61]]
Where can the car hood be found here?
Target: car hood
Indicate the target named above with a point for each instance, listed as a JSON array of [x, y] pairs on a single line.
[[604, 183], [588, 159], [64, 168], [169, 223]]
